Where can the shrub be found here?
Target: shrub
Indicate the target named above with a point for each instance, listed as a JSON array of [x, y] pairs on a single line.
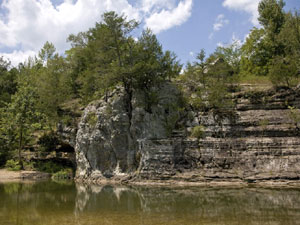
[[92, 119], [294, 116], [29, 165], [63, 174], [198, 132], [13, 165], [48, 167]]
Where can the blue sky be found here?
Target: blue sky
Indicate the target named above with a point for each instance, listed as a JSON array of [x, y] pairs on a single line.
[[182, 26]]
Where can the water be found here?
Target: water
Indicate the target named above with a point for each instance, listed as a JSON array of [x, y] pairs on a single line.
[[47, 203]]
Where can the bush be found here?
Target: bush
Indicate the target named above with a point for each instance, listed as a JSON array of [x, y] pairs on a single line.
[[13, 165], [28, 165], [63, 174], [92, 119], [198, 132], [48, 167]]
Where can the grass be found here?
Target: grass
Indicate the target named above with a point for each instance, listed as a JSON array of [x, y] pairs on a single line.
[[256, 80]]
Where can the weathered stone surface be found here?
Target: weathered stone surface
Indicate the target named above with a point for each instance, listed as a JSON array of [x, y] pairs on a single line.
[[109, 137], [257, 141]]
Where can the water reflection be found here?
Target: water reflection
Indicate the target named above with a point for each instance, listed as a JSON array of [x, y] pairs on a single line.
[[52, 203]]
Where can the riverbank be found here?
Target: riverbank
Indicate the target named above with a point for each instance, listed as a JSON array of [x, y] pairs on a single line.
[[12, 176], [217, 182]]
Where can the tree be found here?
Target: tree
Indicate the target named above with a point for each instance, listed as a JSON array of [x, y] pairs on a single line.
[[20, 118], [53, 85], [8, 84], [284, 71], [271, 16], [207, 83], [47, 52], [231, 54], [112, 56], [284, 68], [262, 44]]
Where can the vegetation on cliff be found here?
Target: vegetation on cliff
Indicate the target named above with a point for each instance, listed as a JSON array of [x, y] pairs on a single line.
[[34, 96]]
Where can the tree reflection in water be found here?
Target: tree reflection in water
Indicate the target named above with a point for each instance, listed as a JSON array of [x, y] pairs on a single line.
[[50, 203]]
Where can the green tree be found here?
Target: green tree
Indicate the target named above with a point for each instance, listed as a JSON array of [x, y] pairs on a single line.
[[271, 16], [112, 56], [52, 82], [231, 54], [20, 118], [284, 71], [8, 84], [262, 44], [207, 83]]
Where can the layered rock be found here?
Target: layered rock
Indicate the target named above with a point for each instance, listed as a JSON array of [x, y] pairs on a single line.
[[257, 141], [110, 136]]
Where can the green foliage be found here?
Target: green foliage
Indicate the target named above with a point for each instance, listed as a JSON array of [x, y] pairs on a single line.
[[255, 54], [263, 123], [28, 165], [20, 118], [284, 71], [231, 54], [294, 115], [13, 165], [92, 119], [8, 81], [207, 84], [64, 174], [48, 167], [271, 15], [52, 83], [273, 50], [108, 55], [198, 132]]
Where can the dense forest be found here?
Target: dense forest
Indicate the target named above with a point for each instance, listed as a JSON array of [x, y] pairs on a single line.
[[48, 89]]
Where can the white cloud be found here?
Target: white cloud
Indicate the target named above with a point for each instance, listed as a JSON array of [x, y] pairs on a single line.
[[249, 6], [165, 19], [25, 25], [156, 5], [192, 54], [220, 22], [18, 56]]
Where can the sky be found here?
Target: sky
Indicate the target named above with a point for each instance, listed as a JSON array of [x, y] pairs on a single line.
[[182, 26]]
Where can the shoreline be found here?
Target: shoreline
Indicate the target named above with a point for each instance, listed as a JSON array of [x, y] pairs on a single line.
[[238, 183], [7, 176], [22, 175]]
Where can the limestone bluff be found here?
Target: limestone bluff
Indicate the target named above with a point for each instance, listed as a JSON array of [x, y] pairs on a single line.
[[257, 143]]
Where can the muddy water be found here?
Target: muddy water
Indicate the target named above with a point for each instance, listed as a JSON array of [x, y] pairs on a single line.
[[51, 203]]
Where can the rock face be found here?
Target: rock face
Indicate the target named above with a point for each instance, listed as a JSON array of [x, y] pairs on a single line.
[[109, 138], [257, 141]]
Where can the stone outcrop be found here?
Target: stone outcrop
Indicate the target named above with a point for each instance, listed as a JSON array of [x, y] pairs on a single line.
[[257, 141], [110, 136]]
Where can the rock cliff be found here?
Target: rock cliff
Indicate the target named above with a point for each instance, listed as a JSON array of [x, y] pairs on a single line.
[[257, 141]]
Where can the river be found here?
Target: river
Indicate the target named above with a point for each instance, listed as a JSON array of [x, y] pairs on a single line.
[[52, 203]]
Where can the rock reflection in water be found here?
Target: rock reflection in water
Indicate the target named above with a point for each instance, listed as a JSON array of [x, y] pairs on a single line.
[[51, 203], [191, 205]]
